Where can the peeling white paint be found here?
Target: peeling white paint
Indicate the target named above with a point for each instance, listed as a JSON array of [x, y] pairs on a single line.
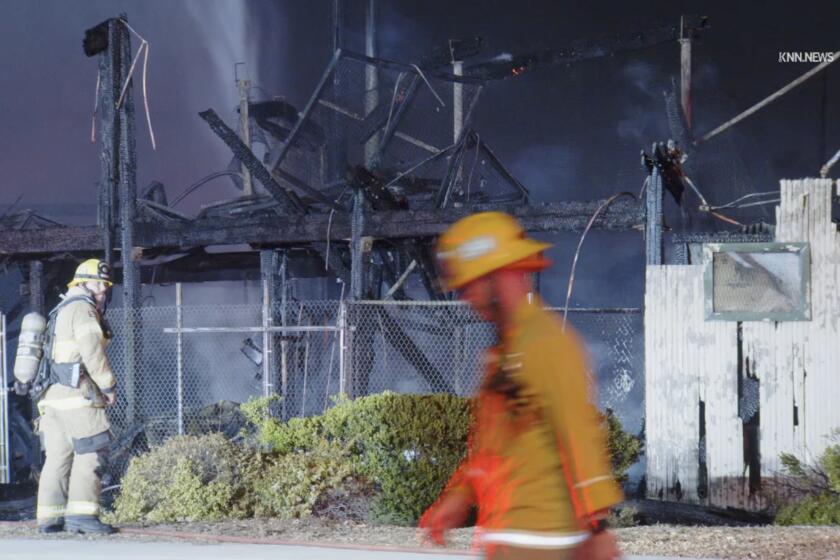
[[688, 358]]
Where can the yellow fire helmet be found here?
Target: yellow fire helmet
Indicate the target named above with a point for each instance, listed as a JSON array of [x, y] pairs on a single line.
[[92, 270], [482, 243]]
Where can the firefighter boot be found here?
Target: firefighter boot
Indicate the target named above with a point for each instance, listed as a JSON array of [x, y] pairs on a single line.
[[87, 524], [53, 526]]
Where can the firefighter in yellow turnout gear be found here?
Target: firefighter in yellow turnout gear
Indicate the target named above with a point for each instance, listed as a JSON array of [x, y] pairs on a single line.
[[73, 422], [537, 467]]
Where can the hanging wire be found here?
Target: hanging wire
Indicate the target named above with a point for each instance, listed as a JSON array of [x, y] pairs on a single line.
[[200, 182], [600, 209], [422, 75], [704, 205], [735, 203], [418, 165], [143, 48], [329, 229]]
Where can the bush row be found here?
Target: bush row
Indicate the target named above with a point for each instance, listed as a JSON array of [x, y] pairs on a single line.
[[383, 458]]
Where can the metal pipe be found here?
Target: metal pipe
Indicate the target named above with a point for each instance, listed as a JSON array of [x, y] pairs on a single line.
[[271, 329], [337, 21], [827, 167], [766, 101], [179, 345], [685, 72], [5, 463], [342, 347], [268, 386], [284, 344], [457, 101]]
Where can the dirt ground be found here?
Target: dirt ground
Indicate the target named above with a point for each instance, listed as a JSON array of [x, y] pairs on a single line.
[[769, 543]]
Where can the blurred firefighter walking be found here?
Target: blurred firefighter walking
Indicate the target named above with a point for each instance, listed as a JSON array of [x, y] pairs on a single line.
[[73, 385], [537, 466]]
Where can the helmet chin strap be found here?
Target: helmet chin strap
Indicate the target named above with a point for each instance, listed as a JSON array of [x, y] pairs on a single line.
[[101, 298]]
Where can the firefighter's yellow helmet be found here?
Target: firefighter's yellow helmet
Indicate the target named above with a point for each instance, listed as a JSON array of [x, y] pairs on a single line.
[[482, 243], [92, 270]]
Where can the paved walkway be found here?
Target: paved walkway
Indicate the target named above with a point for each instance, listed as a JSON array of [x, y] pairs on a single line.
[[23, 549]]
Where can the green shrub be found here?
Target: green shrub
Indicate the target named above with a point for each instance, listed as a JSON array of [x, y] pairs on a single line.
[[624, 448], [187, 478], [209, 478], [809, 494], [296, 434], [408, 444], [623, 517], [822, 509], [294, 483]]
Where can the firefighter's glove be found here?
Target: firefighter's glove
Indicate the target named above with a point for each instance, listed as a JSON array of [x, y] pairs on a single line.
[[21, 389], [447, 513]]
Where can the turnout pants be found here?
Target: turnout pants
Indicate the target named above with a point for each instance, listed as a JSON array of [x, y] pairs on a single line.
[[76, 441]]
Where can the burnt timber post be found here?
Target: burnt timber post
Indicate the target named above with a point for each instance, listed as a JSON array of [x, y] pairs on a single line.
[[118, 181], [654, 199], [128, 213], [109, 136], [36, 287]]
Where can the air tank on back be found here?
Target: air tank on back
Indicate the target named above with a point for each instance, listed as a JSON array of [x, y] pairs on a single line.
[[30, 347]]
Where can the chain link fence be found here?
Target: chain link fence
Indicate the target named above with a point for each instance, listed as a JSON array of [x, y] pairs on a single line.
[[194, 365]]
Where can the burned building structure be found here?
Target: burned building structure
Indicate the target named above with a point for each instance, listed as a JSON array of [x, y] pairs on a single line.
[[349, 193], [352, 191]]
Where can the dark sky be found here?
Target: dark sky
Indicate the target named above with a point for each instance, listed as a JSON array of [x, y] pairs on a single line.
[[567, 132]]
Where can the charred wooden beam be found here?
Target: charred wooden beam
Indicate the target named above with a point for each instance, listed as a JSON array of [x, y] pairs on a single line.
[[86, 239], [292, 230], [250, 161]]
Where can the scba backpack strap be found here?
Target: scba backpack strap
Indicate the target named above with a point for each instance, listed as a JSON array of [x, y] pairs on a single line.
[[50, 372]]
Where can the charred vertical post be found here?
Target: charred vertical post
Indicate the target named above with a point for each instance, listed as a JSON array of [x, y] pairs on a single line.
[[371, 92], [36, 287], [654, 217], [103, 40], [357, 247], [244, 86], [128, 210], [336, 145]]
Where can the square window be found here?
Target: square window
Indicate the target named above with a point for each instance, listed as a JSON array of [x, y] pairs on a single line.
[[757, 281]]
